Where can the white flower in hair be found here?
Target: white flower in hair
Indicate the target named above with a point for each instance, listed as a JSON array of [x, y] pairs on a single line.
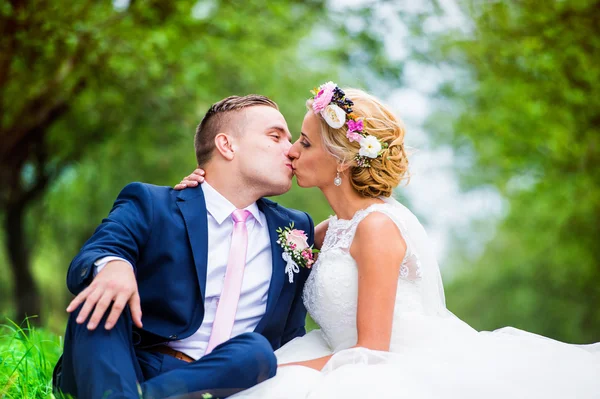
[[334, 116], [369, 147]]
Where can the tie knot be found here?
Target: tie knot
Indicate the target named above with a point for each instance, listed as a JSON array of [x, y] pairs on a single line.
[[240, 215]]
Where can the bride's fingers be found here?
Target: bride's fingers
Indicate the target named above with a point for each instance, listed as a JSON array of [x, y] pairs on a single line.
[[194, 177], [184, 184], [189, 181], [181, 186], [197, 177]]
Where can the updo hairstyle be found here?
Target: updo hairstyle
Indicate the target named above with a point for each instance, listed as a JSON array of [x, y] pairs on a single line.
[[388, 169]]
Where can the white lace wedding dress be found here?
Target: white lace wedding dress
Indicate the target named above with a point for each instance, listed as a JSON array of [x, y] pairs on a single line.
[[433, 354]]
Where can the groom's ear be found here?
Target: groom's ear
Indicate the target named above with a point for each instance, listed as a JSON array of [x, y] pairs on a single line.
[[224, 145]]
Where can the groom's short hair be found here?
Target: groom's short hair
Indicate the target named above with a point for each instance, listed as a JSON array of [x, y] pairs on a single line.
[[217, 119]]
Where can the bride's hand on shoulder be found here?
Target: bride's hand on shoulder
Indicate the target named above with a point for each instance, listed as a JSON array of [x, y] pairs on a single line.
[[197, 177], [320, 231]]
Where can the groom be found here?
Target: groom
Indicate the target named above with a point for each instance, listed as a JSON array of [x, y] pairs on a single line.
[[203, 267]]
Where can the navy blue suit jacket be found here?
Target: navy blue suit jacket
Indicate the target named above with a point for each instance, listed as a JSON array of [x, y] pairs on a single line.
[[164, 234]]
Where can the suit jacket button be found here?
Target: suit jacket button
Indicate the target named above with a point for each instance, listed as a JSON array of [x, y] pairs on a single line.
[[84, 272], [173, 336]]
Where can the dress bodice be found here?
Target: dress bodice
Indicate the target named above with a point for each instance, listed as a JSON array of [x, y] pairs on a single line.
[[331, 292]]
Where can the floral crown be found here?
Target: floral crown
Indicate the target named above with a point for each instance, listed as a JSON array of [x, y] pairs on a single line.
[[331, 103]]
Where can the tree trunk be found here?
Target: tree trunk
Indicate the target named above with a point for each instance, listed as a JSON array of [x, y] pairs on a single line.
[[26, 293], [16, 199]]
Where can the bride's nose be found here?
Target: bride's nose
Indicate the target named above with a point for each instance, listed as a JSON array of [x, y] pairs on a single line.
[[293, 151]]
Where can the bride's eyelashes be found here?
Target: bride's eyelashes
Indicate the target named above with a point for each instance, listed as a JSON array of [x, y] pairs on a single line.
[[304, 140]]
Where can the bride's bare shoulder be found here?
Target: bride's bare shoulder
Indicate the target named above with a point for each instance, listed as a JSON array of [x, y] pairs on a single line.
[[378, 234]]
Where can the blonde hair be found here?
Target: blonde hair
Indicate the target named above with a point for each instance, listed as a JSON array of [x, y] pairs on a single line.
[[387, 170]]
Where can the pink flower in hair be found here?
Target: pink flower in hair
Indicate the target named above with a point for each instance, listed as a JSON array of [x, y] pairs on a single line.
[[323, 98], [355, 126], [353, 136]]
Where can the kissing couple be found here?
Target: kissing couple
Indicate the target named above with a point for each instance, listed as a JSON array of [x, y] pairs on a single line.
[[202, 291]]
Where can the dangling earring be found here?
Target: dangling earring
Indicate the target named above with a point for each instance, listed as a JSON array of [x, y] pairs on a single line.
[[338, 180]]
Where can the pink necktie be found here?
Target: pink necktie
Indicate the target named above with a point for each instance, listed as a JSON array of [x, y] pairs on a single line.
[[232, 285]]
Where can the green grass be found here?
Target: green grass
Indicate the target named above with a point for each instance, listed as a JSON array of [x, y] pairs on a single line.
[[27, 358]]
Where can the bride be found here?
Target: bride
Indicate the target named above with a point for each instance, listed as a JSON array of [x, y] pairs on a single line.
[[376, 290]]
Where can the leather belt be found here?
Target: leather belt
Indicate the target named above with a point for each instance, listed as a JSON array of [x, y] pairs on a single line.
[[172, 352]]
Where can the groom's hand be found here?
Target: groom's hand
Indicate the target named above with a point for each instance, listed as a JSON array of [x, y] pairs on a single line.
[[114, 284], [197, 177]]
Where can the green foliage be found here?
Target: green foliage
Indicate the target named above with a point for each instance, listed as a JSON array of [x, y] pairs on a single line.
[[525, 104], [27, 358]]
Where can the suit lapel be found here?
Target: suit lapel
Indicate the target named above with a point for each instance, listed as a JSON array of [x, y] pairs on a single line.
[[192, 205], [275, 219]]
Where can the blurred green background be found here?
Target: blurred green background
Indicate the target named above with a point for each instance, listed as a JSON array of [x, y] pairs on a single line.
[[94, 95]]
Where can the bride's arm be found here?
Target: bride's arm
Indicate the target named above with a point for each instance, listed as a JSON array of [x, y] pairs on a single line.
[[378, 249]]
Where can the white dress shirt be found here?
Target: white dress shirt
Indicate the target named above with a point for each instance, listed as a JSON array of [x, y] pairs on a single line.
[[257, 273]]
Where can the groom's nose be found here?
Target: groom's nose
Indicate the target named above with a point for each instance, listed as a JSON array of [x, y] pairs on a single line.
[[292, 152], [286, 149]]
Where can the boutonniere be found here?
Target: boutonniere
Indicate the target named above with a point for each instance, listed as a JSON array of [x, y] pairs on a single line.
[[296, 251]]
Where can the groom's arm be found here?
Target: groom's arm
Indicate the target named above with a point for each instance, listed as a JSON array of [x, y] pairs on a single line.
[[123, 234], [295, 324]]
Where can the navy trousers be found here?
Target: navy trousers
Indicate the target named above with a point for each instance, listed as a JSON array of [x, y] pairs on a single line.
[[105, 364]]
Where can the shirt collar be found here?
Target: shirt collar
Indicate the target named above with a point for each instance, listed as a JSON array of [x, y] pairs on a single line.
[[220, 208]]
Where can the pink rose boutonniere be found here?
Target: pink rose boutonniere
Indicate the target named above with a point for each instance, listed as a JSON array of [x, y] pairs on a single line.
[[296, 251]]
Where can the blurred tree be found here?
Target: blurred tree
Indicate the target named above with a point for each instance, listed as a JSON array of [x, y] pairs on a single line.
[[524, 103], [98, 94]]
